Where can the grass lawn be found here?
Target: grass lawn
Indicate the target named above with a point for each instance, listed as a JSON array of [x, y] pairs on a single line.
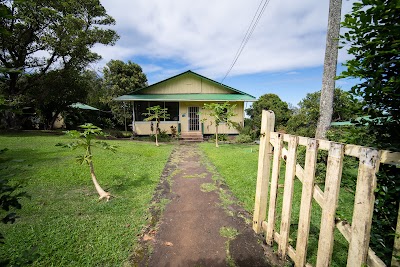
[[63, 219], [238, 166]]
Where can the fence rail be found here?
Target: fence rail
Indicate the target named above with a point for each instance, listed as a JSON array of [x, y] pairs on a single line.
[[357, 234]]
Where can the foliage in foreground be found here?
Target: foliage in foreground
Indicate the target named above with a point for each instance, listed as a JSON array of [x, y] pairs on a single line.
[[373, 37], [62, 219]]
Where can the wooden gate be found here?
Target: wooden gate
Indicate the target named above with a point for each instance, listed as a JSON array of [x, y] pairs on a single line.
[[357, 234]]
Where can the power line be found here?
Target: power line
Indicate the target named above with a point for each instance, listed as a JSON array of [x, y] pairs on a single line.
[[249, 32]]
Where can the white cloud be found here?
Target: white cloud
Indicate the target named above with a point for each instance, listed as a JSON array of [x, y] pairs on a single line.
[[204, 35]]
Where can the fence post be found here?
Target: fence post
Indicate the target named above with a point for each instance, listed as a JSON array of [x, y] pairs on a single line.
[[273, 193], [331, 197], [306, 202], [264, 164], [363, 207], [288, 196]]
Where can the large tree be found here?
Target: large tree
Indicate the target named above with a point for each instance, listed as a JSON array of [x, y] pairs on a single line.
[[330, 63], [53, 93], [121, 78], [304, 122], [38, 35], [270, 102]]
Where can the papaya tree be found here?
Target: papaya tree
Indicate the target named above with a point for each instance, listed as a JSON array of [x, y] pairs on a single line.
[[218, 113], [156, 113], [85, 140]]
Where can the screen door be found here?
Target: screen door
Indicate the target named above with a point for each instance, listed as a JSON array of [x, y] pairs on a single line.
[[194, 119]]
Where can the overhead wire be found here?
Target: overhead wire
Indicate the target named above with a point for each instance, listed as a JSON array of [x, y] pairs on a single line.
[[249, 32]]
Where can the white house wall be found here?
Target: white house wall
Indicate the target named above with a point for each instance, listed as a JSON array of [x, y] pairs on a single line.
[[143, 127]]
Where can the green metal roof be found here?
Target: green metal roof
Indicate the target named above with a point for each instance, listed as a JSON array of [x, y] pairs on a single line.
[[351, 122], [364, 119], [341, 123], [82, 106], [188, 97]]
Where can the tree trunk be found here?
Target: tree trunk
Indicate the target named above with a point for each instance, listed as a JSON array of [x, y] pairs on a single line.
[[157, 131], [125, 118], [133, 120], [156, 139], [330, 63], [216, 135], [53, 120], [100, 191]]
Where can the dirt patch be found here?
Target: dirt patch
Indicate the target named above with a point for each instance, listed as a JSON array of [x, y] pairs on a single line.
[[195, 220]]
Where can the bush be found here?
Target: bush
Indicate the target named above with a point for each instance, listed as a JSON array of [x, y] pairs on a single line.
[[243, 138], [249, 128], [163, 136], [221, 137], [118, 134]]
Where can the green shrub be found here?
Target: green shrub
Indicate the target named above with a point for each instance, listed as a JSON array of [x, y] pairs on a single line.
[[243, 138], [221, 137], [163, 136], [118, 134]]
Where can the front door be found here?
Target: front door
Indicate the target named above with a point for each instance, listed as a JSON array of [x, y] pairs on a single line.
[[194, 119]]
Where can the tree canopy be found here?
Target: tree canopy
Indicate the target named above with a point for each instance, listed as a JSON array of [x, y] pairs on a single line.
[[39, 35], [304, 122], [53, 93], [121, 78], [270, 102]]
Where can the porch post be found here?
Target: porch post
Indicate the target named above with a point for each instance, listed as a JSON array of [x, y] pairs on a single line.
[[133, 118]]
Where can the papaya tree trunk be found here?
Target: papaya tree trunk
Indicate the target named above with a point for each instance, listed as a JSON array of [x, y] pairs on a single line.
[[157, 131], [156, 139], [216, 135], [100, 191]]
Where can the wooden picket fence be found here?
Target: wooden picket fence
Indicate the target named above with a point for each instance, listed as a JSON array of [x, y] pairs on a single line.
[[357, 234]]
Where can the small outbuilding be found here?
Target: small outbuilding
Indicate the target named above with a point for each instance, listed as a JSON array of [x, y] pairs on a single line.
[[184, 96]]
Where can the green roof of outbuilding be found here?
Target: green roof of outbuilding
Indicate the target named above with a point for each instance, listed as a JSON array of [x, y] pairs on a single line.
[[82, 106], [187, 97], [364, 120]]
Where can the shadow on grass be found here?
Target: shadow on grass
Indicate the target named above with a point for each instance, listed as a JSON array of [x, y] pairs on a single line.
[[26, 133], [125, 183]]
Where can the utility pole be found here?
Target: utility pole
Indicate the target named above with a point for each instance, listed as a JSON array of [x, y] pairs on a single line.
[[330, 64]]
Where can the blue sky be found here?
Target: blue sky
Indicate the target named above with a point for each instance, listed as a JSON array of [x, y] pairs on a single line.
[[284, 56]]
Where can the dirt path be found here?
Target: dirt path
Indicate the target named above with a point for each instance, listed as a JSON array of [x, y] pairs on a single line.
[[201, 225]]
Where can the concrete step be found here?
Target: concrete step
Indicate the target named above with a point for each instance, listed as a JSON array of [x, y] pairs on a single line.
[[191, 136]]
